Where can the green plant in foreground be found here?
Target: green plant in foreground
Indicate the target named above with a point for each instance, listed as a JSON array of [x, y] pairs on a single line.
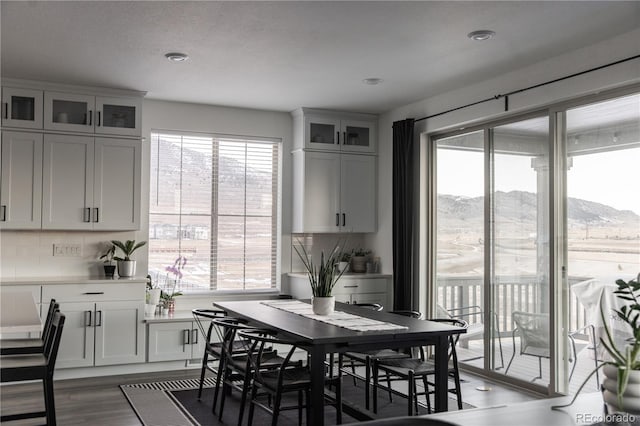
[[322, 277], [625, 359]]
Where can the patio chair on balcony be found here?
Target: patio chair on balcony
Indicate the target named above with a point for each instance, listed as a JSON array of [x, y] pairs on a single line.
[[533, 330], [474, 316]]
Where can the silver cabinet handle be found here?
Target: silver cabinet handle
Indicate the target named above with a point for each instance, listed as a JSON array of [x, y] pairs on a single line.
[[87, 318], [90, 118], [98, 318], [344, 219], [98, 118], [94, 292], [186, 336], [338, 138], [351, 286], [96, 214], [194, 336], [344, 138], [3, 215], [337, 219], [86, 214], [5, 105]]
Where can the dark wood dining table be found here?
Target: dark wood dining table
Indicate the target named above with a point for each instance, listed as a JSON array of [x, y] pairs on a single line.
[[320, 339]]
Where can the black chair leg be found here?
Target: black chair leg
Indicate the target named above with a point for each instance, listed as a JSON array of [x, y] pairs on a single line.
[[225, 390], [425, 383], [245, 390], [300, 408], [204, 368], [367, 381], [254, 391], [276, 409], [218, 382], [410, 396], [375, 387], [49, 401], [339, 401]]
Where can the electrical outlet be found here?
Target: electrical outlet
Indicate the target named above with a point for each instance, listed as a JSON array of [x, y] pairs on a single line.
[[67, 250]]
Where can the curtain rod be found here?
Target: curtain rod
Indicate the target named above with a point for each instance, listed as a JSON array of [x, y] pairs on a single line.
[[535, 86]]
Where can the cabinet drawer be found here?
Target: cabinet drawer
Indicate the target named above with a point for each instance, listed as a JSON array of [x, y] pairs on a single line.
[[361, 285], [93, 292]]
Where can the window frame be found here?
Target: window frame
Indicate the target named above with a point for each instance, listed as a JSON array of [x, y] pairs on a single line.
[[275, 289]]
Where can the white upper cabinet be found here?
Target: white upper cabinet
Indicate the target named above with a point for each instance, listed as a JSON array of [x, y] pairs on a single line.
[[21, 180], [118, 116], [72, 112], [334, 192], [334, 131], [91, 183], [21, 108]]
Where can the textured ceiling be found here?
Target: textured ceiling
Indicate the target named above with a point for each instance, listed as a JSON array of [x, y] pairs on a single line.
[[283, 55]]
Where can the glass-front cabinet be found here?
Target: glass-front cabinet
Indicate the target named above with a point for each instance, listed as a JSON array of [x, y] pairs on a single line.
[[72, 112], [22, 108], [339, 132], [120, 116]]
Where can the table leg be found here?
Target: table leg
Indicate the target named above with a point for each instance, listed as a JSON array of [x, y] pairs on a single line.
[[441, 369], [316, 365]]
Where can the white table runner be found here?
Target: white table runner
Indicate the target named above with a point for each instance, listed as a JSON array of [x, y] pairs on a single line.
[[338, 318]]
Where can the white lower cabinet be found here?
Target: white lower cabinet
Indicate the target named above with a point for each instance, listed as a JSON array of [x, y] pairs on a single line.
[[354, 288], [104, 324], [174, 341]]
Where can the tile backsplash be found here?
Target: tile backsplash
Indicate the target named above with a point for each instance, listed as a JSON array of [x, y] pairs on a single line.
[[31, 253], [315, 244]]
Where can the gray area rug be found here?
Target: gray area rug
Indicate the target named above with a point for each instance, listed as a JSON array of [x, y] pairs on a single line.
[[175, 403]]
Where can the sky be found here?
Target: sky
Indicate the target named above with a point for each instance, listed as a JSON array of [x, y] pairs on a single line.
[[609, 178]]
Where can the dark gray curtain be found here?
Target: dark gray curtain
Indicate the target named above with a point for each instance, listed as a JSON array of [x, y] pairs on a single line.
[[403, 213]]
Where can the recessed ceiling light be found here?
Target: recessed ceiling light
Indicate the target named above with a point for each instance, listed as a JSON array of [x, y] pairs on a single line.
[[481, 35], [372, 81], [176, 56]]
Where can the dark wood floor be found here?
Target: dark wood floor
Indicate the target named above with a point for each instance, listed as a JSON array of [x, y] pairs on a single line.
[[98, 401]]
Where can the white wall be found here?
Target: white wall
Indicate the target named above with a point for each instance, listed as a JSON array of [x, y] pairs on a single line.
[[612, 50]]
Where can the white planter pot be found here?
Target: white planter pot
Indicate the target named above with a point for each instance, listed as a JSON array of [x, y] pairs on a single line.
[[343, 266], [126, 268], [154, 296], [323, 305], [149, 310], [631, 395]]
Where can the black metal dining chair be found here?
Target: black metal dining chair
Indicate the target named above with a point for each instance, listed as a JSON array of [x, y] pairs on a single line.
[[366, 358], [413, 368], [212, 346], [30, 345], [37, 366], [289, 376]]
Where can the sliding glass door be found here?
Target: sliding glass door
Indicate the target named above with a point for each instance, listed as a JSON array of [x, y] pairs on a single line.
[[529, 229], [603, 219]]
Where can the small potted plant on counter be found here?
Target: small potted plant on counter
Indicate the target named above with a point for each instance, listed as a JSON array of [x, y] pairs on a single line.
[[359, 260], [343, 265], [108, 256], [127, 266]]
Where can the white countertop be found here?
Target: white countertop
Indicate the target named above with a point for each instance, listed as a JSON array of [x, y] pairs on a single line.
[[176, 316], [68, 280], [345, 276]]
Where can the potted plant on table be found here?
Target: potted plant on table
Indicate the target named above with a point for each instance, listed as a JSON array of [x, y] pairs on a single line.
[[127, 266], [622, 372], [322, 277], [108, 256]]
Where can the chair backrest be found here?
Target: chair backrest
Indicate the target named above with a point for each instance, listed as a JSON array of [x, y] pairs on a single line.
[[533, 330], [52, 343], [411, 314], [53, 307], [453, 338], [259, 341], [227, 331], [373, 306], [203, 316]]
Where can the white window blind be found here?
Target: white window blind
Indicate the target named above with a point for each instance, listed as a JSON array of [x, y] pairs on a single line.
[[213, 202]]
